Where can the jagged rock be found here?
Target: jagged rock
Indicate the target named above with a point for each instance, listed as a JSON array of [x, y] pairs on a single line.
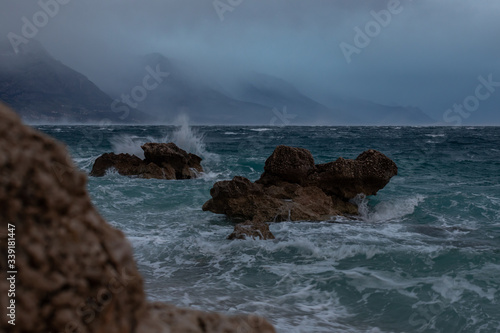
[[76, 273], [288, 164], [240, 200], [162, 161], [251, 229], [367, 174], [292, 188]]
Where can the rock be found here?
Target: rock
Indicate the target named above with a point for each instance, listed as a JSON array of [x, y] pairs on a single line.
[[128, 165], [251, 229], [293, 188], [177, 320], [76, 273], [288, 164], [164, 154], [240, 199], [162, 161], [367, 174]]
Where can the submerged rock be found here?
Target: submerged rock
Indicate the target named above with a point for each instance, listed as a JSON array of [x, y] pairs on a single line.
[[254, 230], [293, 188], [75, 273], [162, 161]]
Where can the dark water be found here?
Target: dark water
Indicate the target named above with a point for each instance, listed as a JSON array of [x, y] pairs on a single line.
[[423, 257]]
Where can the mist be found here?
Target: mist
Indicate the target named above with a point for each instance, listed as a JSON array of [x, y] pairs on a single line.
[[427, 54]]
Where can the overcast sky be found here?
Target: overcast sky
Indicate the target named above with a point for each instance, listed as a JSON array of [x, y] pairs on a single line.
[[428, 53]]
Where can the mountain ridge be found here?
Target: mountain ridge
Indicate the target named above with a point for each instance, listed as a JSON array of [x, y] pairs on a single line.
[[156, 89]]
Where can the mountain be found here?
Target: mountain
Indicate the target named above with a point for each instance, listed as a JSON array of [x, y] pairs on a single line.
[[182, 92], [255, 99], [275, 92], [43, 89], [369, 113]]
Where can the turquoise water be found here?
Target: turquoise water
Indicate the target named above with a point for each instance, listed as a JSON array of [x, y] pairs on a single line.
[[424, 256]]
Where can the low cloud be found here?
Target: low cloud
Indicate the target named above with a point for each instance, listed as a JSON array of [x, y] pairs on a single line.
[[429, 56]]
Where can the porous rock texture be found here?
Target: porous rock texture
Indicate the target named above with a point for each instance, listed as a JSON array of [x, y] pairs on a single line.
[[162, 161], [75, 272], [293, 188]]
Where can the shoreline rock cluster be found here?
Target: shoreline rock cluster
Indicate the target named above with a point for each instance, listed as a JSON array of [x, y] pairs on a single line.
[[75, 273], [294, 188], [162, 161]]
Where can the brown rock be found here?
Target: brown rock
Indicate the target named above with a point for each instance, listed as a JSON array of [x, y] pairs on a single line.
[[292, 188], [163, 161], [367, 174], [251, 229], [240, 199], [75, 272], [186, 165], [287, 164], [172, 319]]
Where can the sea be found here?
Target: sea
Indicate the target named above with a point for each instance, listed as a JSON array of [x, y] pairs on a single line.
[[422, 256]]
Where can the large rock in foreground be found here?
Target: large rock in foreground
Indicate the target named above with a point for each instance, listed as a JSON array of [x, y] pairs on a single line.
[[293, 188], [75, 273], [162, 161]]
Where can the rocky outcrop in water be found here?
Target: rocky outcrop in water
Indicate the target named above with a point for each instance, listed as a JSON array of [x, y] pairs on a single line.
[[252, 229], [293, 188], [162, 161], [75, 273]]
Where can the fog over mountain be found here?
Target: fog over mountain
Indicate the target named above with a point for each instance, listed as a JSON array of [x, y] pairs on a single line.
[[332, 62]]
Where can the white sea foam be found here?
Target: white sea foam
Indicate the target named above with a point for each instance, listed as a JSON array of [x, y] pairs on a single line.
[[128, 144], [184, 136], [387, 211], [260, 129]]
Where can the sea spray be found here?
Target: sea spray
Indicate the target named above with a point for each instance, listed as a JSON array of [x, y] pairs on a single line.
[[187, 138], [129, 144], [386, 211], [183, 135]]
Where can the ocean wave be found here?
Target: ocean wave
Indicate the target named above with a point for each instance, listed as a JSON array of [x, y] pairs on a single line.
[[387, 211], [261, 129], [184, 136]]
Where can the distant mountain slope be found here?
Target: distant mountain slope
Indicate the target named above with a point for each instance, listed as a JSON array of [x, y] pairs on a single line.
[[275, 92], [181, 93], [369, 113], [254, 99], [43, 89]]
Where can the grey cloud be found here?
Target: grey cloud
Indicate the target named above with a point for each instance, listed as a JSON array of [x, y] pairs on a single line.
[[429, 56]]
